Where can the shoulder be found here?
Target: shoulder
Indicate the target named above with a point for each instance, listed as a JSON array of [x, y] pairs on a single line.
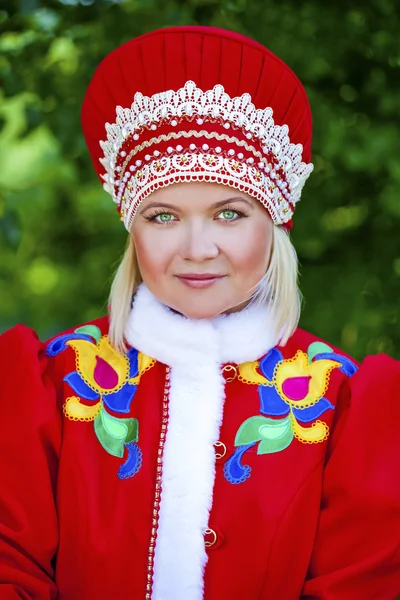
[[318, 357], [23, 354], [99, 327], [366, 392], [22, 337], [375, 375], [18, 339], [91, 331], [311, 343], [377, 370], [23, 362], [29, 385], [375, 388]]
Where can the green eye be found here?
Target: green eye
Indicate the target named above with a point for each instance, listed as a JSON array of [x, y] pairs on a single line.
[[229, 215], [164, 217]]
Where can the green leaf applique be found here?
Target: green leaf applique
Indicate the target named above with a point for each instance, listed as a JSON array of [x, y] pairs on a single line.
[[249, 431], [317, 348], [91, 330], [113, 433], [276, 436]]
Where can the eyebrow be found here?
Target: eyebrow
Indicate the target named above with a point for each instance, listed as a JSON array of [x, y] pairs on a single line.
[[215, 205]]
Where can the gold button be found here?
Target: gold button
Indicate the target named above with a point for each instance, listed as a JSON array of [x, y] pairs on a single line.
[[229, 372], [210, 538], [220, 450]]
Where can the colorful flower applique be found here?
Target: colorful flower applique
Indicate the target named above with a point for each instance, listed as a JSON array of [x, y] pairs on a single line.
[[107, 381], [291, 393]]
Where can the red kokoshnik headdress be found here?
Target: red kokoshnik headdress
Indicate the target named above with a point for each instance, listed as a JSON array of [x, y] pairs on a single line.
[[198, 104]]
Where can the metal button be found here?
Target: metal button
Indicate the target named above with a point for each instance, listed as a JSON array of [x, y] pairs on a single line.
[[220, 450], [210, 538], [229, 372]]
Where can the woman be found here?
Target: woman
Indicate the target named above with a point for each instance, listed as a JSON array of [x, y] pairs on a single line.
[[196, 443]]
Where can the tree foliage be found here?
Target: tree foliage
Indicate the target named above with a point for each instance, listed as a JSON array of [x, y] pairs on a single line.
[[60, 238]]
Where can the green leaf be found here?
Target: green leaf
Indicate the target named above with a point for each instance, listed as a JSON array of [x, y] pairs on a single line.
[[133, 430], [112, 445], [269, 446], [114, 426], [120, 429], [113, 433], [317, 348], [91, 330], [274, 429], [249, 431]]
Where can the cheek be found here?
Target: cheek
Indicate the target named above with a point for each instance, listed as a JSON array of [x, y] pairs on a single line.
[[252, 254], [144, 255], [153, 251]]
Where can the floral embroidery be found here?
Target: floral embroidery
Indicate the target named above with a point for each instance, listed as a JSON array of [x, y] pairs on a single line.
[[291, 392], [108, 380]]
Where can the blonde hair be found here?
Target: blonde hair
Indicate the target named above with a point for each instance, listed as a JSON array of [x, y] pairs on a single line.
[[278, 289], [125, 283]]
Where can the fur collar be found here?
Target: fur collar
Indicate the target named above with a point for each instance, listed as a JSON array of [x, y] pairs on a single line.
[[173, 339], [195, 351]]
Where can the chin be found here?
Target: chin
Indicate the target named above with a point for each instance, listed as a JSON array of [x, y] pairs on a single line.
[[200, 314], [201, 311]]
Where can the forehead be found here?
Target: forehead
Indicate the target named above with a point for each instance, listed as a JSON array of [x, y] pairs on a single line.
[[195, 194]]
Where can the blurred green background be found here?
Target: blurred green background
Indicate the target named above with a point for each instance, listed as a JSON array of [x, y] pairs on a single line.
[[60, 237]]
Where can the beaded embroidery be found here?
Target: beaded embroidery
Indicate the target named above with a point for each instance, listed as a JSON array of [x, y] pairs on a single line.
[[193, 133], [276, 179], [291, 392], [108, 380]]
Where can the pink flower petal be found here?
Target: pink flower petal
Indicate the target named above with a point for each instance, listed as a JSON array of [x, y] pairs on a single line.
[[104, 375], [296, 388]]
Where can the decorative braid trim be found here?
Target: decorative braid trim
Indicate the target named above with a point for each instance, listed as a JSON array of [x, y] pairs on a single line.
[[209, 135], [191, 166]]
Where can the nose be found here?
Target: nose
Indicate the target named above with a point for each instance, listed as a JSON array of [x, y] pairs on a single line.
[[198, 243]]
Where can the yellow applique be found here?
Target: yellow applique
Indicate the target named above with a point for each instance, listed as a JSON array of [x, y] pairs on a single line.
[[88, 353], [299, 366], [248, 374], [299, 370], [317, 432], [86, 359], [76, 411], [145, 363]]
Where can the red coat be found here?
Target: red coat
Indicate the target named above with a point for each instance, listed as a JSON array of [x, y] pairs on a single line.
[[295, 513]]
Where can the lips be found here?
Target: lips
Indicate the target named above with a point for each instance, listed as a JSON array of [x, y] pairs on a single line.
[[199, 280], [200, 276]]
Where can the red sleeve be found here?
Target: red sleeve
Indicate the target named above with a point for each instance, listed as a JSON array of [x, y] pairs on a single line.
[[30, 439], [356, 555]]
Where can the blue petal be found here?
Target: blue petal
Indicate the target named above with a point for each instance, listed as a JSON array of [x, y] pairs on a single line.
[[306, 415], [348, 367], [80, 387], [133, 463], [59, 343], [120, 401], [271, 403], [133, 362], [234, 471], [269, 363]]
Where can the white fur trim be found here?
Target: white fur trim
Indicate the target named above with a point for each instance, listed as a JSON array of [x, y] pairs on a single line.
[[195, 351]]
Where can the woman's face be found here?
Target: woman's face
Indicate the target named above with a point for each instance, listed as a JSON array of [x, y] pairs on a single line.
[[202, 247]]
